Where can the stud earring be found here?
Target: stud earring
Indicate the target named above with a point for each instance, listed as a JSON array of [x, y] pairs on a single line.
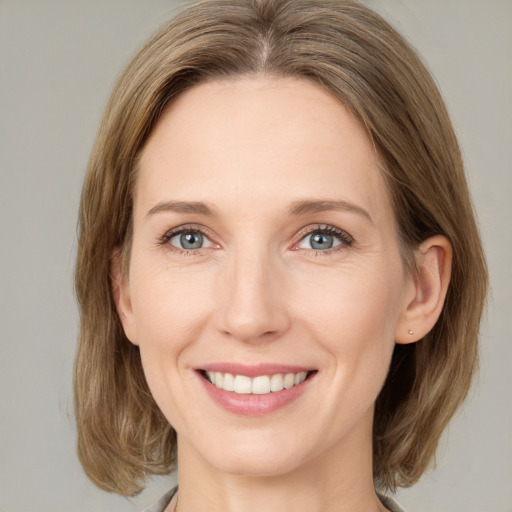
[[411, 332]]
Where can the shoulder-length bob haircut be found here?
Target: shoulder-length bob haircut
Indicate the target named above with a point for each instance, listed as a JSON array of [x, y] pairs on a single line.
[[352, 52]]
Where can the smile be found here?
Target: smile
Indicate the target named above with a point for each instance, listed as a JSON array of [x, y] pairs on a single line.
[[254, 390], [259, 385]]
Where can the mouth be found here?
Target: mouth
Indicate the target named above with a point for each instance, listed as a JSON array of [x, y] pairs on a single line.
[[257, 385], [255, 390]]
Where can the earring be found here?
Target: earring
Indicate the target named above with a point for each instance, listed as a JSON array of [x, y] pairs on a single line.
[[411, 332]]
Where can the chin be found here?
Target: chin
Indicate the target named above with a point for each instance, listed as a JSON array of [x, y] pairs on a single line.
[[257, 459]]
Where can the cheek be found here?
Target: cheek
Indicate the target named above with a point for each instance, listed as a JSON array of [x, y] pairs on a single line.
[[169, 306], [351, 301], [170, 311], [353, 315]]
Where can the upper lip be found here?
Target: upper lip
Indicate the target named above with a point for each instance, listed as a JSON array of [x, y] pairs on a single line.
[[253, 370]]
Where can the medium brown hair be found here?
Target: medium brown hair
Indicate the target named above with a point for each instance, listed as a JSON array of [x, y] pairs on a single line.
[[353, 53]]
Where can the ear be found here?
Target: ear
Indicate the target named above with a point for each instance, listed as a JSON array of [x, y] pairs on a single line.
[[121, 293], [425, 301]]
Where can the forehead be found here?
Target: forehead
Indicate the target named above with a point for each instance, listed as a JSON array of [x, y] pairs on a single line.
[[266, 140]]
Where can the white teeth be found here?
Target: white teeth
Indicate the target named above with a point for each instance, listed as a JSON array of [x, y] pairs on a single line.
[[289, 381], [300, 377], [276, 382], [261, 385], [229, 382], [243, 385]]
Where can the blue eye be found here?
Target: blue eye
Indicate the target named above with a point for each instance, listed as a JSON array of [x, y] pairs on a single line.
[[324, 239], [189, 240]]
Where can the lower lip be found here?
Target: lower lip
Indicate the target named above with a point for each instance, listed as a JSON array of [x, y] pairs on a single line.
[[254, 405]]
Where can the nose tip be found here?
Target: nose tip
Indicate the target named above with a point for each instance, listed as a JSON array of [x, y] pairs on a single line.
[[255, 307], [255, 327]]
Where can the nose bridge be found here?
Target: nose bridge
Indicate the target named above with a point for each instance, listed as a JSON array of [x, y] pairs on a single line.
[[253, 301]]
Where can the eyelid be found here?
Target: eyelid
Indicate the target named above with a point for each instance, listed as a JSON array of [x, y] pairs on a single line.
[[185, 228], [345, 238]]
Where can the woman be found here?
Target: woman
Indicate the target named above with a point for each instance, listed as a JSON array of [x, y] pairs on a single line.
[[276, 239]]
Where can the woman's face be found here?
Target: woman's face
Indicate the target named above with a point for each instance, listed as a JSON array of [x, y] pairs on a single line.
[[264, 245]]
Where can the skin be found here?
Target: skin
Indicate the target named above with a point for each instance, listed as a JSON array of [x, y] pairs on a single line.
[[257, 292]]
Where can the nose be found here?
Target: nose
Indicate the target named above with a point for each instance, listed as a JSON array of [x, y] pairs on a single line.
[[253, 300]]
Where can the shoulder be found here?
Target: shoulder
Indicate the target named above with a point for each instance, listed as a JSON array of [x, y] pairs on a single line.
[[162, 503], [390, 503]]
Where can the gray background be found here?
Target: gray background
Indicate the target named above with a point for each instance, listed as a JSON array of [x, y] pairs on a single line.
[[58, 62]]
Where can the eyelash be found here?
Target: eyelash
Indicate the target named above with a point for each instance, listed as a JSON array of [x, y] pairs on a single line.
[[169, 235], [345, 239]]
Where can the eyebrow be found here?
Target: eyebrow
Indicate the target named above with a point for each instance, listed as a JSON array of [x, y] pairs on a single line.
[[297, 208], [311, 206], [181, 207]]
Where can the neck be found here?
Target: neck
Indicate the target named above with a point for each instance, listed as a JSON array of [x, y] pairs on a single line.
[[339, 480]]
